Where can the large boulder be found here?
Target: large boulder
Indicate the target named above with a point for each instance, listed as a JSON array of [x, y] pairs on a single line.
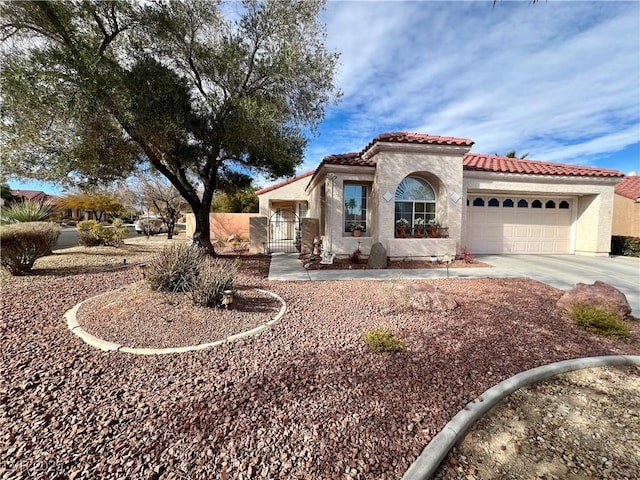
[[599, 294], [377, 256]]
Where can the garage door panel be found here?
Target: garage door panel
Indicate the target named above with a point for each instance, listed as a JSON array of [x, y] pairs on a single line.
[[519, 230]]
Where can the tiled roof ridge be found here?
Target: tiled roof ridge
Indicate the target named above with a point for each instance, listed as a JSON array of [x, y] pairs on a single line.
[[414, 137], [286, 181], [341, 156], [496, 163], [629, 187], [417, 138]]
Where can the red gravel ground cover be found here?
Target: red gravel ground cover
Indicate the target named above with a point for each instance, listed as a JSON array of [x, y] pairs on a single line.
[[305, 400]]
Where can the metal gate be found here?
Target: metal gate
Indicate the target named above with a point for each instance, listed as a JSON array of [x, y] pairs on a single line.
[[283, 231]]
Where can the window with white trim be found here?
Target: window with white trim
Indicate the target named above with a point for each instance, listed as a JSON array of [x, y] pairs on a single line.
[[355, 206], [415, 202]]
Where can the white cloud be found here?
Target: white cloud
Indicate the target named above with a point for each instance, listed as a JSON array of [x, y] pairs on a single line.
[[560, 80]]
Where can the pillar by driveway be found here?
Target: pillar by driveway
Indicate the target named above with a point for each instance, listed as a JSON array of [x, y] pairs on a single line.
[[257, 234]]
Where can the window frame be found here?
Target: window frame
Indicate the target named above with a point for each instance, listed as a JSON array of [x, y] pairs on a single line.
[[348, 224], [428, 208]]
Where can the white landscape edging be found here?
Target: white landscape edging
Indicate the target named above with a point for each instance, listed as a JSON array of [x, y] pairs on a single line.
[[454, 431], [73, 325]]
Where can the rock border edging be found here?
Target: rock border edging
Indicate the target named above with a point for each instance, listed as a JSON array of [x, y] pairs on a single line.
[[456, 429], [104, 345]]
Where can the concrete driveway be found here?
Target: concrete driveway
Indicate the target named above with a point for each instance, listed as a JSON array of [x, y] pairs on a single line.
[[564, 271]]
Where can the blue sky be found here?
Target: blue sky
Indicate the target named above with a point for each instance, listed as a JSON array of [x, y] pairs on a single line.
[[560, 80]]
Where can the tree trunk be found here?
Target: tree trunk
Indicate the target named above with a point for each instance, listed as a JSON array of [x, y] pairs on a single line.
[[201, 234]]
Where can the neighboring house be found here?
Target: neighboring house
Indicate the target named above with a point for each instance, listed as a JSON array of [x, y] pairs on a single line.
[[447, 199], [36, 196], [626, 208], [39, 196]]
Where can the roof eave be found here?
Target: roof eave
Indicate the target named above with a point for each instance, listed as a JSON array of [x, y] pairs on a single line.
[[378, 146], [484, 174]]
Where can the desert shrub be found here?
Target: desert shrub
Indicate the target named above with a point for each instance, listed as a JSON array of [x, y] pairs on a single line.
[[24, 243], [467, 255], [175, 268], [599, 320], [398, 294], [627, 246], [214, 277], [88, 233], [382, 340], [27, 211], [93, 233], [115, 234]]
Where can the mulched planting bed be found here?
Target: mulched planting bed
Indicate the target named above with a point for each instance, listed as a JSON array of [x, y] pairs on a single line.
[[305, 399], [409, 264]]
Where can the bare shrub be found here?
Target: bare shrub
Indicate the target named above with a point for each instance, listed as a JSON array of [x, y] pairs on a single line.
[[214, 277], [399, 293], [24, 243], [175, 269]]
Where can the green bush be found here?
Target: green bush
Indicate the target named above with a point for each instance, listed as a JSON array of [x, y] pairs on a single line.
[[599, 320], [93, 233], [628, 246], [214, 277], [382, 340], [23, 243], [88, 233], [175, 268], [27, 211]]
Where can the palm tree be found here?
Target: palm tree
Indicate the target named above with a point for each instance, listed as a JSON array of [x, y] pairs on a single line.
[[512, 154]]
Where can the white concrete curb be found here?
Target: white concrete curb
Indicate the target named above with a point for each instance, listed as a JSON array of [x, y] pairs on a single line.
[[454, 431], [73, 325]]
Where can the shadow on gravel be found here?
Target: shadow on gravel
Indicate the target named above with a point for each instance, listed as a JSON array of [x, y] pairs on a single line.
[[61, 272]]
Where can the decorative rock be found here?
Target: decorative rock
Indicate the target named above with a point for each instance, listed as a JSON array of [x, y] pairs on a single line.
[[599, 294], [377, 257]]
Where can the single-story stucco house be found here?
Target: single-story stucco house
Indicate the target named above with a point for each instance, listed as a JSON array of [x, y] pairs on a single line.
[[421, 195], [626, 208]]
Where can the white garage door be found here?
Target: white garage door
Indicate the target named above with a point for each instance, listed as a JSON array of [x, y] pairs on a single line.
[[518, 224]]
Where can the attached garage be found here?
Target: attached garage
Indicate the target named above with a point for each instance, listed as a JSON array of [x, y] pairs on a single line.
[[519, 224]]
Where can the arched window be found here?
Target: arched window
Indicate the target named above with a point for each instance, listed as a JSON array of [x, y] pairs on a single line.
[[564, 205], [508, 203], [550, 204], [415, 202], [522, 203], [536, 204], [494, 202], [478, 202]]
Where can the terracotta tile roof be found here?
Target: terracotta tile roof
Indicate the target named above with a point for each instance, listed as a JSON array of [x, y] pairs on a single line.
[[492, 163], [353, 159], [37, 196], [629, 187], [285, 182], [420, 138]]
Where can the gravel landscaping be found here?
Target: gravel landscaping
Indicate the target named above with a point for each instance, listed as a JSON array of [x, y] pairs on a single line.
[[305, 399]]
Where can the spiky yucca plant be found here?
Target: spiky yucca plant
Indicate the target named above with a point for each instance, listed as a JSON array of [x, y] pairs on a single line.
[[27, 211]]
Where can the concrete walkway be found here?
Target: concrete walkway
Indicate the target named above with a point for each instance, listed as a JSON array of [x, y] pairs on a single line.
[[560, 271]]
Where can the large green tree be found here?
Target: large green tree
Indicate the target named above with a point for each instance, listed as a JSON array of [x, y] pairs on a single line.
[[205, 92]]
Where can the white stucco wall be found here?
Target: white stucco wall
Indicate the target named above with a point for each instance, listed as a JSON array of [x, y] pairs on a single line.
[[442, 168], [591, 229], [291, 192]]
